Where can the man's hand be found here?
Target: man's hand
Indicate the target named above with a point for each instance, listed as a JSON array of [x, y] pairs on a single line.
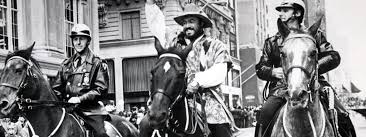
[[192, 87], [278, 73], [74, 100]]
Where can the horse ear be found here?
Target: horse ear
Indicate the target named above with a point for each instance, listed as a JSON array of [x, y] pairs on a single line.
[[314, 28], [282, 28], [28, 51], [159, 48]]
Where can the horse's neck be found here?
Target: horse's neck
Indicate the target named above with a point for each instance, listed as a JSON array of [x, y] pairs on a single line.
[[44, 119]]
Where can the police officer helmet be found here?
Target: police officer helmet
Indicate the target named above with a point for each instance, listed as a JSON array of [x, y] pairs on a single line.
[[80, 30]]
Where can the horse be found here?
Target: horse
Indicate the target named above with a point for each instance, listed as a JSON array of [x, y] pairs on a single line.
[[303, 115], [25, 91], [168, 112]]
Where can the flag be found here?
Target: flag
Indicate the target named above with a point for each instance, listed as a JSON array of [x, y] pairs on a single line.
[[344, 89], [156, 21], [354, 89]]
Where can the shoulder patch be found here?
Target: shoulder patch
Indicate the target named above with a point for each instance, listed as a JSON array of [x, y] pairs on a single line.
[[104, 66]]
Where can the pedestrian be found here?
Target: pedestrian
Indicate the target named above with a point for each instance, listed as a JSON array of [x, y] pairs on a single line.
[[82, 79], [291, 13], [22, 127]]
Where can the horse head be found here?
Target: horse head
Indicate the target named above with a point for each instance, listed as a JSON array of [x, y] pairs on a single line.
[[167, 82], [21, 79], [299, 57]]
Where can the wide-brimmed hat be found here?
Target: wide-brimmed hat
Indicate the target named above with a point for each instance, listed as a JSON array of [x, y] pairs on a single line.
[[192, 10]]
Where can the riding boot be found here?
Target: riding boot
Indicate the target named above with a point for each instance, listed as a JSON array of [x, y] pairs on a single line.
[[258, 130], [346, 128]]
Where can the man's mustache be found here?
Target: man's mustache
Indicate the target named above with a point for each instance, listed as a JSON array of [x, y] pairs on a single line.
[[188, 28]]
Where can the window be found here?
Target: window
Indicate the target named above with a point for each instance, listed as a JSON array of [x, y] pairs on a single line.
[[236, 78], [130, 25], [233, 49], [9, 25], [231, 4], [70, 20], [136, 73], [76, 11]]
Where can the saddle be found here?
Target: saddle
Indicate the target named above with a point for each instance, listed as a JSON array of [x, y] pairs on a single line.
[[186, 118], [111, 130]]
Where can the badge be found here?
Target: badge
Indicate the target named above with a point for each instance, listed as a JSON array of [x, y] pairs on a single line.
[[86, 80], [104, 66]]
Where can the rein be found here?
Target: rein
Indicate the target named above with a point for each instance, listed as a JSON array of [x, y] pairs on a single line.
[[27, 104], [175, 101], [311, 87]]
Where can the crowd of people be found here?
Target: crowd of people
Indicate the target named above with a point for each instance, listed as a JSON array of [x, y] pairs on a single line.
[[14, 128], [134, 115], [352, 102], [245, 117]]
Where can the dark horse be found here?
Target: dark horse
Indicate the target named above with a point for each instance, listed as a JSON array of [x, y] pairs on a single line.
[[169, 113], [303, 115], [25, 91]]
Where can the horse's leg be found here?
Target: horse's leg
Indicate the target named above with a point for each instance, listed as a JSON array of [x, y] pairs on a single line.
[[145, 129]]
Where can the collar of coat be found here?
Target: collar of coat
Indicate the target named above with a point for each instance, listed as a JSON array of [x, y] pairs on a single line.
[[88, 57]]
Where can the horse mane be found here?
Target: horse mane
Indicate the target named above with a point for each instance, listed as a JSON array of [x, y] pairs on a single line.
[[24, 54], [297, 31]]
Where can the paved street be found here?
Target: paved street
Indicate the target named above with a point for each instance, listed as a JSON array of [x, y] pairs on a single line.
[[358, 120]]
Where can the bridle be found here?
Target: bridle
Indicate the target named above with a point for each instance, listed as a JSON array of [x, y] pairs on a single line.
[[25, 104], [22, 84], [311, 87], [174, 100], [313, 75], [161, 91]]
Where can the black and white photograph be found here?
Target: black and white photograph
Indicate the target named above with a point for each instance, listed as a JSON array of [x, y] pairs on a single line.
[[182, 68]]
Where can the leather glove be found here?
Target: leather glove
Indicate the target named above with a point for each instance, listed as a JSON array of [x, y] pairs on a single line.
[[74, 100]]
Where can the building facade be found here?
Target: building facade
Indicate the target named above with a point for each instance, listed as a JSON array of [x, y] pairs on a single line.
[[48, 24], [253, 30], [128, 45]]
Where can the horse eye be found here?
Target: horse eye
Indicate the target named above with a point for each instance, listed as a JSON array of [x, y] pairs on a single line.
[[313, 53], [283, 55]]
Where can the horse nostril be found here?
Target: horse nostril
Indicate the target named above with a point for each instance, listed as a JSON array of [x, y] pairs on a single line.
[[4, 103], [163, 114]]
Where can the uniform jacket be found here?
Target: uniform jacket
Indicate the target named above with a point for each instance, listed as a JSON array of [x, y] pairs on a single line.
[[88, 81], [328, 58]]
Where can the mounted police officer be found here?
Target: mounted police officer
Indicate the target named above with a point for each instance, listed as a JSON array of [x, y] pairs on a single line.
[[269, 68], [82, 79]]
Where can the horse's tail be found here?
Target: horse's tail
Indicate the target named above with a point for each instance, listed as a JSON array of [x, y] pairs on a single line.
[[123, 126]]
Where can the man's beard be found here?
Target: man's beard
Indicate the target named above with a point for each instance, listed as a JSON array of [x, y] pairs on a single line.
[[197, 32]]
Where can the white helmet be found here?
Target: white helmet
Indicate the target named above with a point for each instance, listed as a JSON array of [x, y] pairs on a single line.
[[296, 4], [80, 30]]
